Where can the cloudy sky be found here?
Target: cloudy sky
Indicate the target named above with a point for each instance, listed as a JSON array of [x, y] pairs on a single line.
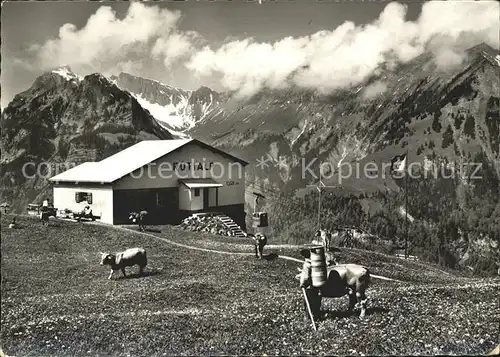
[[236, 45]]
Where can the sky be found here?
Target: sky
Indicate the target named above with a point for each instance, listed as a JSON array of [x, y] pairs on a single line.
[[236, 45]]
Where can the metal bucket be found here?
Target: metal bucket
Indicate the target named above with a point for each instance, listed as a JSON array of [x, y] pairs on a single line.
[[318, 265]]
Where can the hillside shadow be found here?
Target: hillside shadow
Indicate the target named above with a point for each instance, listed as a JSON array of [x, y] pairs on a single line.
[[376, 310], [51, 224], [270, 256], [144, 274], [153, 230], [335, 314]]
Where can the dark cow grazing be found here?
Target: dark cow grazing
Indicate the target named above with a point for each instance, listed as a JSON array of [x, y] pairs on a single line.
[[260, 242], [139, 218], [127, 258], [342, 279]]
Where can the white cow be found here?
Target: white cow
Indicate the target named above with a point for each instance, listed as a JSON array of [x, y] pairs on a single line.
[[127, 258]]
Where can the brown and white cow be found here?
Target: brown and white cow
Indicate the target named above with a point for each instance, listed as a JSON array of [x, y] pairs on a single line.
[[127, 258], [342, 280]]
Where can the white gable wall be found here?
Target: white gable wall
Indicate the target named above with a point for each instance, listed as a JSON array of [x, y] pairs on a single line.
[[102, 200]]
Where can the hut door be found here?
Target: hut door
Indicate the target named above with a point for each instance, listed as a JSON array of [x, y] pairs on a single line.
[[205, 198]]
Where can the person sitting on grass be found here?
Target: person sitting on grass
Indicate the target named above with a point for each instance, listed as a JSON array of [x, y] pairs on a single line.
[[13, 223], [87, 211]]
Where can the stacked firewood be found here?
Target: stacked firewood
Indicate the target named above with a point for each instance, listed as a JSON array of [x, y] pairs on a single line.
[[207, 224]]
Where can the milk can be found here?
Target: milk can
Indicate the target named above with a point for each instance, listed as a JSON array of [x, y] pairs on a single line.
[[318, 265]]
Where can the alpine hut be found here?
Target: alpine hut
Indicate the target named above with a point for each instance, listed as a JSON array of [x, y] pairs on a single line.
[[170, 179]]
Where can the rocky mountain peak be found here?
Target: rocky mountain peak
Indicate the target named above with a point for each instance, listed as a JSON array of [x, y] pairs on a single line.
[[65, 118], [176, 109], [483, 48], [203, 94], [66, 73], [484, 51]]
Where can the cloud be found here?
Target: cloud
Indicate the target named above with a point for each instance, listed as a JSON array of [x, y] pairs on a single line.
[[107, 43], [347, 55], [327, 60], [374, 90], [175, 46]]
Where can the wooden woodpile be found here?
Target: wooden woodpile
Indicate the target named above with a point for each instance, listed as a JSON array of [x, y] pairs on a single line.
[[209, 224]]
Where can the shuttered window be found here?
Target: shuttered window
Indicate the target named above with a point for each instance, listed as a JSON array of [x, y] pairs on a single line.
[[83, 196]]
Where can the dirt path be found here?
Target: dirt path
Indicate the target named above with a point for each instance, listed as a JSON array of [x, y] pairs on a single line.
[[224, 252], [210, 250]]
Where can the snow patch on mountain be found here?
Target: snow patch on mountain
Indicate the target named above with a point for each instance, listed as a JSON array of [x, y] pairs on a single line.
[[206, 107], [300, 134], [402, 212], [175, 116], [67, 74], [177, 134], [497, 58]]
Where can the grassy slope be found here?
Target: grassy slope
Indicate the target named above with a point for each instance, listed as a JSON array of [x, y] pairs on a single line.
[[56, 300]]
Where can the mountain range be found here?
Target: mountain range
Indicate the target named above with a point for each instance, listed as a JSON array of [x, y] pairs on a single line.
[[417, 108]]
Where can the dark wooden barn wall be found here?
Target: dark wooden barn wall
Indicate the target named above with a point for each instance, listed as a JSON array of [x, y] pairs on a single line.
[[166, 211]]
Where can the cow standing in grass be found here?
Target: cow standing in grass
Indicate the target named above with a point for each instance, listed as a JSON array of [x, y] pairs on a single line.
[[342, 279], [127, 258], [139, 218]]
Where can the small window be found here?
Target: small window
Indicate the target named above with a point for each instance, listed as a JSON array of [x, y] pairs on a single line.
[[83, 196], [197, 192]]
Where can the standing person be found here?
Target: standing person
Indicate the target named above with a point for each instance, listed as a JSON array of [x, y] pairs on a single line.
[[260, 242], [45, 207]]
